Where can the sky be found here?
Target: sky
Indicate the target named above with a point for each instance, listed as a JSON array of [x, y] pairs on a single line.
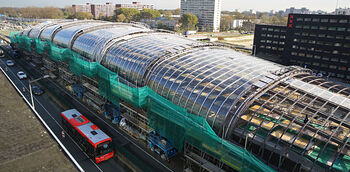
[[231, 5]]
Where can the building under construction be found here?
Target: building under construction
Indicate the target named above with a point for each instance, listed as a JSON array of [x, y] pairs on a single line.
[[221, 110]]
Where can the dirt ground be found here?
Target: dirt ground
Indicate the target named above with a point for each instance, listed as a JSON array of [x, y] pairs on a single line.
[[25, 145], [244, 40]]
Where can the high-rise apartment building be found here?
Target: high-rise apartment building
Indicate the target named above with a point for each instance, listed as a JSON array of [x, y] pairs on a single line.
[[100, 10], [107, 10], [136, 5], [86, 8], [207, 11]]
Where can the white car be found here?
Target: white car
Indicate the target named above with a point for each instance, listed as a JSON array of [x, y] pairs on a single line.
[[21, 75], [10, 63]]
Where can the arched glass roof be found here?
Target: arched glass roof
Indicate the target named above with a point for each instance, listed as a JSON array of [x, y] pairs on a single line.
[[207, 81], [64, 37], [91, 44], [132, 57]]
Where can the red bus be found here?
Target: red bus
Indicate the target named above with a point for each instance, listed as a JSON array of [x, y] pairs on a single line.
[[96, 143]]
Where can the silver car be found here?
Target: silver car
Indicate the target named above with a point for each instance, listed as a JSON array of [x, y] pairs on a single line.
[[21, 75], [10, 63]]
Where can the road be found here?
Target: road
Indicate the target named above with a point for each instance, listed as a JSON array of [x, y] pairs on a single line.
[[56, 100]]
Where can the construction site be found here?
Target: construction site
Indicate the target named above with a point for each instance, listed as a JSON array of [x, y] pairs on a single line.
[[217, 109]]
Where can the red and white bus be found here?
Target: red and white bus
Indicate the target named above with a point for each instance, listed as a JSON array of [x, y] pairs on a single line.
[[96, 143]]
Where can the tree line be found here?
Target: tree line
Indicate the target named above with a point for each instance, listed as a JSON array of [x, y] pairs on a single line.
[[259, 18]]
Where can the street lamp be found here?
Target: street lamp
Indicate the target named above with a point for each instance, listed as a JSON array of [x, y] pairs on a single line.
[[30, 87]]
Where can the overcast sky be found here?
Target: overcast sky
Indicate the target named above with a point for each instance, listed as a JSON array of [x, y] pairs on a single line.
[[258, 5]]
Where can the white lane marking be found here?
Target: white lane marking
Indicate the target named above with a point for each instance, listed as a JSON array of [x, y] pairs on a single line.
[[80, 168]]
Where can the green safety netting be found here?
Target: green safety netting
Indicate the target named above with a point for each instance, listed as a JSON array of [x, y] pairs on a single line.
[[170, 120]]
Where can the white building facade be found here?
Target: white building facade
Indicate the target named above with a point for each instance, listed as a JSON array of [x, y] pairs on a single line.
[[207, 11]]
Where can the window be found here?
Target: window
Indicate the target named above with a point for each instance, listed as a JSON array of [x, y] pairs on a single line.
[[332, 28], [324, 65], [275, 42], [268, 41], [302, 48], [347, 37], [277, 30], [280, 49], [324, 20], [262, 41], [339, 37], [309, 55], [333, 20], [315, 19], [342, 29], [305, 34], [268, 47], [311, 49], [303, 41], [314, 27], [262, 46], [340, 76], [282, 36], [323, 28], [330, 36], [325, 58], [335, 52], [295, 47], [282, 43], [312, 42], [334, 59], [274, 48], [270, 29], [263, 35], [276, 36], [346, 45], [343, 21], [297, 34], [321, 35], [343, 61], [332, 66], [313, 34], [320, 42], [269, 35], [298, 26], [337, 44], [316, 64], [317, 57], [302, 54], [295, 53], [307, 19], [299, 19], [296, 40], [306, 27], [264, 28], [283, 30]]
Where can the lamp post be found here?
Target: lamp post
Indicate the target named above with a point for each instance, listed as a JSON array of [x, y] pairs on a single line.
[[30, 87]]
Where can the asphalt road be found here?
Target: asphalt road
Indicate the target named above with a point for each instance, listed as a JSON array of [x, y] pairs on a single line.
[[49, 110]]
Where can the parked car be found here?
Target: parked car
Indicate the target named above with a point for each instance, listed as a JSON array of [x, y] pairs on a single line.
[[37, 90], [21, 75], [10, 63]]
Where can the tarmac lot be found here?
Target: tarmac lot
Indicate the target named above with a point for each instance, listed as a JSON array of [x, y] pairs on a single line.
[[24, 143]]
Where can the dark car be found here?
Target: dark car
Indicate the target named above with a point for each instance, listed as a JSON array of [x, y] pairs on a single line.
[[37, 90]]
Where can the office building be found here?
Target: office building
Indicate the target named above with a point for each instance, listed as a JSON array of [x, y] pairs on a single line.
[[318, 42], [207, 11]]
